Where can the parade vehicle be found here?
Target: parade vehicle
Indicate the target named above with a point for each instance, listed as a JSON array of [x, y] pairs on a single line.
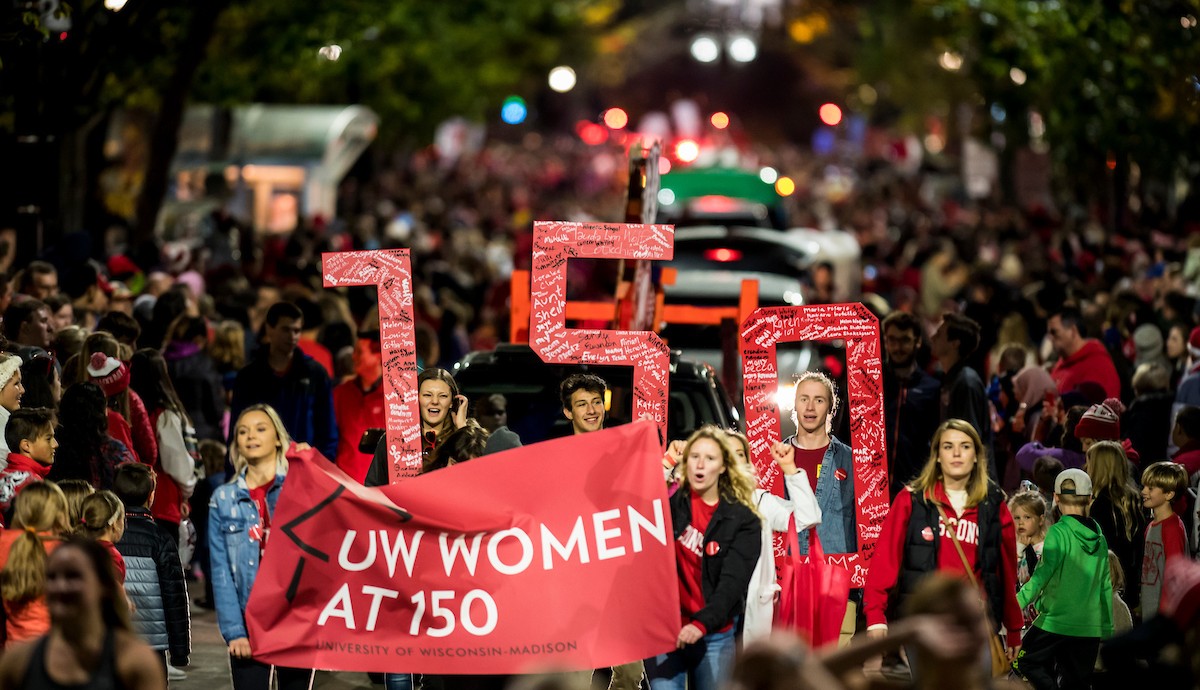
[[530, 387], [719, 196]]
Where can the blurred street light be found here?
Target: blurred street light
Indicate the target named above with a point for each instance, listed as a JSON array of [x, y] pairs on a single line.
[[830, 114], [615, 118], [687, 150], [1017, 75], [562, 79], [705, 49], [329, 52], [114, 5], [719, 120], [949, 61], [742, 49]]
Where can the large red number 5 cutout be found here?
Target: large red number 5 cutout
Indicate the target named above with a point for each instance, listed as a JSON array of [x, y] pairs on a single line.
[[553, 244], [859, 328], [391, 271]]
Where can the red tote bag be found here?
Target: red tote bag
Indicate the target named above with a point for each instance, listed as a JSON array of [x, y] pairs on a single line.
[[814, 593]]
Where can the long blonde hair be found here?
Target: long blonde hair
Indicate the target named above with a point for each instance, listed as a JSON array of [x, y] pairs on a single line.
[[1108, 468], [931, 475], [239, 462], [40, 507], [736, 483]]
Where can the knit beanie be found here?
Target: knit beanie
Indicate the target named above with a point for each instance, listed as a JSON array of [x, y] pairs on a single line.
[[109, 373], [1148, 342], [9, 368], [1194, 342], [1101, 422]]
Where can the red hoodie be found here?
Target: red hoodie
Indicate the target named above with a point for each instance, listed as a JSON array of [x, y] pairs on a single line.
[[888, 557], [1090, 362], [21, 471]]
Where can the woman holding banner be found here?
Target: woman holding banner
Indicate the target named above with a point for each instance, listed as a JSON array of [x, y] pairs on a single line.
[[718, 539], [239, 520], [951, 519]]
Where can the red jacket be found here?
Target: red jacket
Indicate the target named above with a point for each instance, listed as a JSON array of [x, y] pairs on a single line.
[[145, 439], [118, 428], [356, 412], [1189, 457], [886, 561], [21, 471], [1090, 363]]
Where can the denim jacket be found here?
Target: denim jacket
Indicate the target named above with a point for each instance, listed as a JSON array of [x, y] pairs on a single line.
[[835, 497], [231, 514]]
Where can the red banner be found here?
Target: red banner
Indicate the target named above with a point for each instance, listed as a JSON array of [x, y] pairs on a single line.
[[552, 556]]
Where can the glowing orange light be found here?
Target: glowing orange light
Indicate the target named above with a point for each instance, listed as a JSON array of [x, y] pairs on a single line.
[[664, 165], [784, 186], [719, 120], [616, 118], [1111, 162], [830, 114], [687, 150]]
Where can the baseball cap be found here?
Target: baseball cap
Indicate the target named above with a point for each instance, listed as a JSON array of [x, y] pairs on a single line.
[[1083, 483]]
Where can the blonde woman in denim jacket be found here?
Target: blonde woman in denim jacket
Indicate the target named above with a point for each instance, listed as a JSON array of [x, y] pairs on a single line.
[[239, 522]]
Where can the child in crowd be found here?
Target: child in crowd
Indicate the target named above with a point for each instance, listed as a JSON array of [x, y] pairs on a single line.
[[102, 518], [1075, 590], [154, 583], [30, 438], [1166, 537], [75, 490], [39, 523], [1028, 509]]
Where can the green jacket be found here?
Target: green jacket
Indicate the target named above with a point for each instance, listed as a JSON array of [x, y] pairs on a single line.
[[1072, 581]]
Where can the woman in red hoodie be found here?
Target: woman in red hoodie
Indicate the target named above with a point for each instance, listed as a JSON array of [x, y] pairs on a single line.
[[951, 500]]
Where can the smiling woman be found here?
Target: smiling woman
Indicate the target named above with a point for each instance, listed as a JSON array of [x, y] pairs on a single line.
[[239, 520]]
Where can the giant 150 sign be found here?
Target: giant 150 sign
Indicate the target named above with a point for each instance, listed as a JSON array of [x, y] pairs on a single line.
[[555, 243]]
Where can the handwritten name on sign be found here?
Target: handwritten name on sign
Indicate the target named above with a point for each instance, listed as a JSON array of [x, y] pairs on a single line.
[[554, 243], [859, 328], [391, 272], [532, 559]]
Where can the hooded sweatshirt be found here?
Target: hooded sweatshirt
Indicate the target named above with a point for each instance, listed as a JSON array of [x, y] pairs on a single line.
[[1072, 580], [1090, 363]]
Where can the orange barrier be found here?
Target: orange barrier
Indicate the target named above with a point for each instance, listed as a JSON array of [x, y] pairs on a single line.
[[608, 311]]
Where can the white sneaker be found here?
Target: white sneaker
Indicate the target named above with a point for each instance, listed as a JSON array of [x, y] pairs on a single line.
[[175, 673]]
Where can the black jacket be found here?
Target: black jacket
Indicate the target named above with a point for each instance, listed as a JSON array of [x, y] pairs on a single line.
[[725, 575], [921, 554], [154, 582], [200, 390], [911, 411], [303, 397]]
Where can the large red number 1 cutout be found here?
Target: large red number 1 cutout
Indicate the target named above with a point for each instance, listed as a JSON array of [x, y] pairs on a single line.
[[391, 271], [859, 328], [553, 244]]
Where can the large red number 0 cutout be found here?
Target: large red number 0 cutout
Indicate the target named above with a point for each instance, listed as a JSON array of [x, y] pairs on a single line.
[[391, 271], [553, 244], [855, 324]]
